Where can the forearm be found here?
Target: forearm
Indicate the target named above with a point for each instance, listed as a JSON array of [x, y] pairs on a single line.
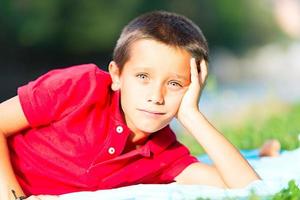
[[8, 179], [232, 167]]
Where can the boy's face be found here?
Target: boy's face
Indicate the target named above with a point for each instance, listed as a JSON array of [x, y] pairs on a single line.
[[152, 84]]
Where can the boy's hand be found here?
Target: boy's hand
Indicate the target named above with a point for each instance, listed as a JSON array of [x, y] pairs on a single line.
[[190, 100]]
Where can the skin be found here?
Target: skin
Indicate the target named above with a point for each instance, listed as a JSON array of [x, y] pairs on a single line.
[[159, 84], [166, 81]]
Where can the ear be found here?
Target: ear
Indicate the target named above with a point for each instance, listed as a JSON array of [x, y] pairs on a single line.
[[114, 72]]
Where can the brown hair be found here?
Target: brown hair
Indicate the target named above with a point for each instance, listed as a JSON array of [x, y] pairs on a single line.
[[169, 28]]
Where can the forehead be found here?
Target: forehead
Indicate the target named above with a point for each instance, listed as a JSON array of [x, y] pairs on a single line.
[[150, 53]]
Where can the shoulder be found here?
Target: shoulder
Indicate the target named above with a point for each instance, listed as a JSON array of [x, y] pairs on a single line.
[[82, 81], [78, 77]]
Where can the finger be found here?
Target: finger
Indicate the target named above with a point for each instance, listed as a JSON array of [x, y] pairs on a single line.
[[194, 71], [204, 71]]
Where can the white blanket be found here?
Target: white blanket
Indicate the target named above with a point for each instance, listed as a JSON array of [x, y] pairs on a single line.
[[275, 173]]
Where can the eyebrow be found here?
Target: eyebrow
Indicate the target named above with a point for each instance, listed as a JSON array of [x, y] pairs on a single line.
[[149, 69], [142, 69], [180, 77]]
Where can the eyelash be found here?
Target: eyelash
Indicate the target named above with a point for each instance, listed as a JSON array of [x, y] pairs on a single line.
[[144, 76], [176, 84]]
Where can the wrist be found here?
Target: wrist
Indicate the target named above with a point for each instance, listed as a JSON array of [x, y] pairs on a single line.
[[189, 117]]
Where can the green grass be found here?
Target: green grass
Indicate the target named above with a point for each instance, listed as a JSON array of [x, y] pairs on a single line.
[[255, 128], [290, 193]]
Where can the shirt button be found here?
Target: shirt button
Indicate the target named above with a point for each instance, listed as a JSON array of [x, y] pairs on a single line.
[[119, 129], [111, 150]]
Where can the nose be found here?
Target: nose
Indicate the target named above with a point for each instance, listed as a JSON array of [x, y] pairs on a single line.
[[156, 94]]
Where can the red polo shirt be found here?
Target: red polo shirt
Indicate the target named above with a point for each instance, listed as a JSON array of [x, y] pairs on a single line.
[[78, 134]]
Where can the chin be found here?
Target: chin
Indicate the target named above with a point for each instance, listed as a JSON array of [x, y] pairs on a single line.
[[151, 129]]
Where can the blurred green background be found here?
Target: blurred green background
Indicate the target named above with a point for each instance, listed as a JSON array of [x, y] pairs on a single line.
[[252, 93]]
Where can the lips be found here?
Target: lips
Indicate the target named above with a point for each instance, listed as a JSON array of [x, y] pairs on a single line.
[[152, 113]]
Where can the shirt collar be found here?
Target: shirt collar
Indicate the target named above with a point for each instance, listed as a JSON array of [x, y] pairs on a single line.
[[160, 140]]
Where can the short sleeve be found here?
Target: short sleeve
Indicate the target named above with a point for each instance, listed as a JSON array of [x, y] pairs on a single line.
[[181, 159], [61, 91]]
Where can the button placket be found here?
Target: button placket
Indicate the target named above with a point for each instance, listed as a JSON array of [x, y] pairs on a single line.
[[119, 129], [111, 150]]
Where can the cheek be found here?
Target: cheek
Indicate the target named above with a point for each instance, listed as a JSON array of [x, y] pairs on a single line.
[[131, 91], [174, 101]]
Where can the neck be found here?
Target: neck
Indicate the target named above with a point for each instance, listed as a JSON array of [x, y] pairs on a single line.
[[138, 137], [135, 141]]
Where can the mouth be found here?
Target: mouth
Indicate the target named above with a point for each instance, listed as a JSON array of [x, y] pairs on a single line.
[[151, 113]]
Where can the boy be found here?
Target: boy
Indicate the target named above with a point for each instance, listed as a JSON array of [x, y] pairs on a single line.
[[80, 128]]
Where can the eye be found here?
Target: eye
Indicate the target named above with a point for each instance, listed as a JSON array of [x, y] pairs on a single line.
[[174, 84], [142, 76]]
